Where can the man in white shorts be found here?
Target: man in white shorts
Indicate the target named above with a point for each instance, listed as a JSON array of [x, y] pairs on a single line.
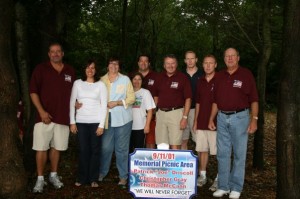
[[50, 90], [205, 139]]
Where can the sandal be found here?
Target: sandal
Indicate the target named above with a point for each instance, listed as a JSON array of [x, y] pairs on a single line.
[[94, 184], [77, 184], [122, 183]]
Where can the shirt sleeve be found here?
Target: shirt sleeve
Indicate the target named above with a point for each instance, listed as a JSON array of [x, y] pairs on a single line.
[[149, 102], [130, 97], [103, 104], [72, 102]]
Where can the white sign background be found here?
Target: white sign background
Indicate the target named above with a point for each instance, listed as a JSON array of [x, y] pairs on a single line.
[[163, 173]]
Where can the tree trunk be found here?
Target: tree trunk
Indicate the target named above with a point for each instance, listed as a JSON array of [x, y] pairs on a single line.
[[124, 31], [51, 17], [142, 44], [288, 120], [258, 155], [12, 173], [22, 57], [23, 76]]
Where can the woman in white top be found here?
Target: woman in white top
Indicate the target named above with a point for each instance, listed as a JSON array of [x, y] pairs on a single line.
[[142, 112], [88, 122]]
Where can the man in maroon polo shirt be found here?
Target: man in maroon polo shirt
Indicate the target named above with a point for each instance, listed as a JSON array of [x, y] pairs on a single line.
[[50, 90], [205, 138], [148, 83], [172, 95], [234, 94]]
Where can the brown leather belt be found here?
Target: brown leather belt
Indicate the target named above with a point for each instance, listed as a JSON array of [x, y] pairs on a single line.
[[233, 112], [170, 109]]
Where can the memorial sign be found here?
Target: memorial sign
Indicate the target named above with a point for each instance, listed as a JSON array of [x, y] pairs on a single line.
[[163, 173]]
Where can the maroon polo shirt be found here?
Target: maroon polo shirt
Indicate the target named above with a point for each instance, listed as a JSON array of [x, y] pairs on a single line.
[[54, 90], [149, 81], [236, 91], [172, 91], [204, 98]]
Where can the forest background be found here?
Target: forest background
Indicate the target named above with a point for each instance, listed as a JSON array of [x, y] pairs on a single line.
[[266, 32]]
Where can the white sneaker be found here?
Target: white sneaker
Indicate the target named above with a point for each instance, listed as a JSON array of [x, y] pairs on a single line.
[[201, 181], [39, 186], [55, 181], [214, 186], [219, 193], [234, 195]]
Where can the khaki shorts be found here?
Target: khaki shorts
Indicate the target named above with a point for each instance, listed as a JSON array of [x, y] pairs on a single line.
[[50, 135], [189, 128], [206, 141], [167, 128]]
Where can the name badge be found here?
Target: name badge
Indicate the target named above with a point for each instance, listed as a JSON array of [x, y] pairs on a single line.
[[151, 82], [68, 78], [237, 84], [174, 85]]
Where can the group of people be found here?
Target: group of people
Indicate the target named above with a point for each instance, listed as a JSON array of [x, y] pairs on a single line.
[[144, 109]]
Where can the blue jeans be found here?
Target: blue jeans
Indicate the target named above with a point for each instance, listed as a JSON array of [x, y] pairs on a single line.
[[115, 139], [232, 135], [89, 151]]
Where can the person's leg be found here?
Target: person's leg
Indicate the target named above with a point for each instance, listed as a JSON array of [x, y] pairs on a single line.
[[84, 153], [106, 151], [185, 137], [132, 141], [150, 137], [42, 135], [202, 149], [41, 159], [140, 139], [173, 127], [95, 147], [239, 136], [184, 144], [203, 160], [137, 140], [188, 130], [122, 136], [224, 147], [59, 142], [54, 156], [212, 142], [161, 130]]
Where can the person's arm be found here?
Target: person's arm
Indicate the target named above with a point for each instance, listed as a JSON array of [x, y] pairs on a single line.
[[130, 98], [148, 121], [197, 108], [214, 111], [253, 122], [186, 110], [155, 100], [73, 98], [45, 116], [149, 104], [103, 105]]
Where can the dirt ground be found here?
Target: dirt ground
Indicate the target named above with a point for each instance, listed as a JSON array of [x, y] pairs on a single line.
[[258, 184]]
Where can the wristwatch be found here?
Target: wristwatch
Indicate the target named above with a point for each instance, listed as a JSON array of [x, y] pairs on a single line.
[[184, 117], [255, 117]]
